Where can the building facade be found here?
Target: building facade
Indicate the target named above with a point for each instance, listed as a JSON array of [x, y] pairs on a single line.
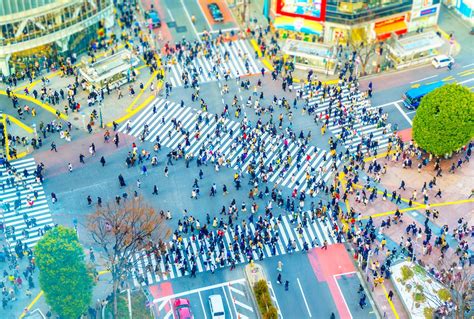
[[45, 28], [357, 19], [465, 8]]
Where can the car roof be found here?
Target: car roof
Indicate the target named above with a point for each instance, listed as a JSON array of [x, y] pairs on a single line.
[[424, 89], [217, 304], [181, 302], [441, 57], [184, 312]]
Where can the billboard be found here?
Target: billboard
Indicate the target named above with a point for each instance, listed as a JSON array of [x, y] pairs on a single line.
[[308, 9]]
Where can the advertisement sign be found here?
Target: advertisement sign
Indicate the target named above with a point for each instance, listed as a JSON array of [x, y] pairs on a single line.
[[308, 9], [427, 11]]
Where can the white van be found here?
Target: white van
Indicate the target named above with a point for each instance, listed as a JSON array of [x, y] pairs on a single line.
[[217, 307], [442, 61]]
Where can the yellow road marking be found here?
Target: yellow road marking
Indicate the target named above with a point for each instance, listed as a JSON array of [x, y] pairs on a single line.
[[467, 74], [392, 306], [402, 199], [458, 202], [256, 47], [449, 78], [34, 83], [37, 102], [20, 124], [32, 304], [133, 112], [139, 95], [466, 71], [370, 158], [416, 85]]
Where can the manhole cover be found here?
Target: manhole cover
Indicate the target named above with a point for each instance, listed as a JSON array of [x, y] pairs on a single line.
[[171, 24], [181, 29], [76, 118]]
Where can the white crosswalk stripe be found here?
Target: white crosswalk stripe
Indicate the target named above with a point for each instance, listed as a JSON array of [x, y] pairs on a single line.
[[25, 210], [314, 232], [170, 123], [366, 127], [236, 59]]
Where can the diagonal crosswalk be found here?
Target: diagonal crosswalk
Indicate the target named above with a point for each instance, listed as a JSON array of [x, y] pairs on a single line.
[[232, 58], [359, 124], [149, 267], [194, 131], [25, 211]]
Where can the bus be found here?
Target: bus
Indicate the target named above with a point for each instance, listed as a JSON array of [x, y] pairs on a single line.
[[412, 98]]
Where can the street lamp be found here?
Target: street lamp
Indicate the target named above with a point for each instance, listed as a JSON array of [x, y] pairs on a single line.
[[100, 114]]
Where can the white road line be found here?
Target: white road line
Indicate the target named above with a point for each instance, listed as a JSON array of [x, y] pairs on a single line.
[[304, 297], [202, 305], [343, 299], [389, 103], [169, 14], [233, 289], [466, 66], [228, 305], [410, 112], [345, 274], [241, 304], [404, 114], [189, 18], [430, 77], [467, 81], [193, 291]]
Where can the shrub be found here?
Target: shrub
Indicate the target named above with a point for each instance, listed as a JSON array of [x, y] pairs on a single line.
[[407, 273], [264, 300], [428, 312], [444, 294]]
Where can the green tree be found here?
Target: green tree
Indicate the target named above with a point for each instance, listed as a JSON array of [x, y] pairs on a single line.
[[63, 277], [444, 121]]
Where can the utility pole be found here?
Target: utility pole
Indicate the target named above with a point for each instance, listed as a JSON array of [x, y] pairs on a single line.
[[244, 11]]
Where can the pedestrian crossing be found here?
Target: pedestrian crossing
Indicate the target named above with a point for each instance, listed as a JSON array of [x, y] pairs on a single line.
[[183, 127], [25, 210], [363, 126], [149, 267], [232, 58]]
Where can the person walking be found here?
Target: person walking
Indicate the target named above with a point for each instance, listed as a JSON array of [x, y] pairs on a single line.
[[53, 147], [280, 266], [279, 279], [81, 158], [287, 284], [102, 161], [155, 190], [69, 167]]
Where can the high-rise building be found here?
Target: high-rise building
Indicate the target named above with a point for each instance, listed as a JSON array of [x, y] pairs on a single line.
[[36, 30]]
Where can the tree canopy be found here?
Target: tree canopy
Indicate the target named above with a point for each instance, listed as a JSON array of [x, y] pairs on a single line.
[[444, 121], [63, 277]]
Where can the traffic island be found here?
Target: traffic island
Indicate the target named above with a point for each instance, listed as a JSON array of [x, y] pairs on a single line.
[[260, 291]]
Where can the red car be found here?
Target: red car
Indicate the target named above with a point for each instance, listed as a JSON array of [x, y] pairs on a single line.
[[182, 309]]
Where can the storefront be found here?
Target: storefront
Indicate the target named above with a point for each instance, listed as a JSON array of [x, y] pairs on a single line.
[[423, 15], [310, 56], [414, 50], [385, 28]]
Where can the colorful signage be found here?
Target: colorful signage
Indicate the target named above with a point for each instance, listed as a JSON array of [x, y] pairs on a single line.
[[308, 9], [427, 11]]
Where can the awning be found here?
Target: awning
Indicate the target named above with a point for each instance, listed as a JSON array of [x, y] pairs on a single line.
[[298, 24], [384, 31]]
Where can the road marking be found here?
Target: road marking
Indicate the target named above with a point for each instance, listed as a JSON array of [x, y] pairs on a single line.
[[345, 274], [403, 113], [343, 299], [390, 303], [466, 66], [228, 305], [465, 71], [169, 13], [189, 18], [410, 112], [193, 291], [241, 304], [390, 103], [427, 78], [240, 292], [467, 81], [304, 297], [217, 31], [32, 303], [202, 305], [458, 202], [449, 78]]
